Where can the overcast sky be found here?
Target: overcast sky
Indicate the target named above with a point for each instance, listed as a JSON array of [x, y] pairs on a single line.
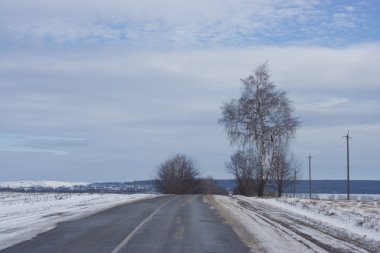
[[97, 90]]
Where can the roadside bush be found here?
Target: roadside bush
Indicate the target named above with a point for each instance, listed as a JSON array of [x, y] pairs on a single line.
[[180, 175], [209, 186], [177, 175]]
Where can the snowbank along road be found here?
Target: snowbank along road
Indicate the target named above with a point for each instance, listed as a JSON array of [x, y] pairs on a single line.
[[25, 215], [266, 228]]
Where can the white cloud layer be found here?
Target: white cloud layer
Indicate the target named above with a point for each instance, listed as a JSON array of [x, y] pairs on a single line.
[[121, 112], [179, 22], [95, 89]]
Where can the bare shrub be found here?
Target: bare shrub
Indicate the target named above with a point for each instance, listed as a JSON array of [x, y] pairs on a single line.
[[177, 175]]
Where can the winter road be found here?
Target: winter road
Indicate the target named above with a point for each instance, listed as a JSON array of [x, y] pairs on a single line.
[[164, 224]]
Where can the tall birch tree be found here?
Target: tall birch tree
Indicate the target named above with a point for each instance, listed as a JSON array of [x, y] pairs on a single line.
[[258, 120]]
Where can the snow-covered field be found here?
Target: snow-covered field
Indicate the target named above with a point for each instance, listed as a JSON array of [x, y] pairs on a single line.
[[50, 184], [357, 216], [330, 196], [302, 225], [24, 215]]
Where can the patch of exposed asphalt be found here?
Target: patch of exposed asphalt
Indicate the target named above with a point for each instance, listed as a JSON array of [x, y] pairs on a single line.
[[236, 225]]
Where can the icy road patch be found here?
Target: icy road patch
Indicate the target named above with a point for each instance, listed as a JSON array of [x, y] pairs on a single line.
[[24, 215]]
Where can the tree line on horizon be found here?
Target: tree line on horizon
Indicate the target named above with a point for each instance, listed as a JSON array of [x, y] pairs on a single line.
[[260, 124]]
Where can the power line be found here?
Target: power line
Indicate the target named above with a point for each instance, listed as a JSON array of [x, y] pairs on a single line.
[[372, 129]]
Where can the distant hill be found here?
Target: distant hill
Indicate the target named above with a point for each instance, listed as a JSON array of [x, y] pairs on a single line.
[[147, 186], [338, 186], [50, 184], [322, 186], [57, 186]]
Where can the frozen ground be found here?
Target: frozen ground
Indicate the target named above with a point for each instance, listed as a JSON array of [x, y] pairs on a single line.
[[300, 225], [330, 196], [24, 215], [357, 216]]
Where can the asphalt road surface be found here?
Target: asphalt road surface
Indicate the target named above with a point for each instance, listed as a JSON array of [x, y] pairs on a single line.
[[166, 224]]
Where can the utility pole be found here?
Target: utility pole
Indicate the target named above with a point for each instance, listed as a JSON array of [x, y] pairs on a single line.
[[309, 175], [348, 164], [295, 181]]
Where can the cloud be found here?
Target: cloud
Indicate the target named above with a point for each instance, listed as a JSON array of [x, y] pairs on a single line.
[[14, 142], [333, 102], [135, 108], [182, 23], [94, 84]]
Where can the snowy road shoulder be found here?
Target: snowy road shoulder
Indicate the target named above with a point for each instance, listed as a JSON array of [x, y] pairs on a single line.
[[355, 216], [268, 226], [25, 215]]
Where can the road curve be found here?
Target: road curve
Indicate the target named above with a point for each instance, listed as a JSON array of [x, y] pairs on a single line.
[[167, 224]]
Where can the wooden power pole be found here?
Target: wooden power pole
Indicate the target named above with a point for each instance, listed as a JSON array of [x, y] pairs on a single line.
[[309, 175], [348, 164], [295, 181]]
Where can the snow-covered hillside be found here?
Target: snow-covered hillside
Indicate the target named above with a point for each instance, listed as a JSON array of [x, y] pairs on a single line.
[[75, 187], [24, 215], [28, 184]]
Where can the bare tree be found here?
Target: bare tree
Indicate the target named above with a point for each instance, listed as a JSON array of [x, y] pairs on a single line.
[[209, 186], [177, 175], [242, 167], [284, 168], [258, 119]]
